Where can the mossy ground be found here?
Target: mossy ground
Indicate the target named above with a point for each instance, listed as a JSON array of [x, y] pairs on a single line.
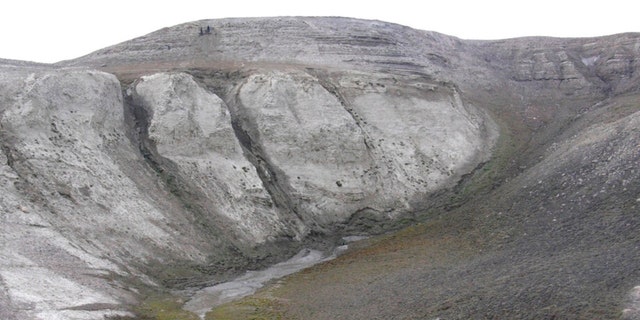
[[160, 307], [491, 252], [164, 308], [259, 307], [429, 244]]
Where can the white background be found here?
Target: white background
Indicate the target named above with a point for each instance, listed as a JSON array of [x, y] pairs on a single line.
[[54, 30]]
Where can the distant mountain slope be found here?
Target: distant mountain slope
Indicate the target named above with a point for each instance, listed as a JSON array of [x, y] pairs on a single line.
[[179, 159]]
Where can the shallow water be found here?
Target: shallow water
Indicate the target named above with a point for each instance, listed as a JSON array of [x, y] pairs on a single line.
[[206, 299], [632, 311], [210, 297]]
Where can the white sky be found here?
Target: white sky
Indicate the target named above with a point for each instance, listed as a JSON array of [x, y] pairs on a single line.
[[54, 30]]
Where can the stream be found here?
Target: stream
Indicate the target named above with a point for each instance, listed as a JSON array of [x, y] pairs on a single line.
[[210, 297]]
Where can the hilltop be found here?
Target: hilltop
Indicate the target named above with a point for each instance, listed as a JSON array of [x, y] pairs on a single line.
[[181, 158]]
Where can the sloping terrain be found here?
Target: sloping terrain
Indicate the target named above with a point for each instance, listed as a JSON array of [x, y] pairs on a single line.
[[178, 159], [558, 241]]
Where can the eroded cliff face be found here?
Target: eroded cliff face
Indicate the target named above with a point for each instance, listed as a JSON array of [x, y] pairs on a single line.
[[190, 138], [317, 149], [191, 157], [60, 131], [171, 177]]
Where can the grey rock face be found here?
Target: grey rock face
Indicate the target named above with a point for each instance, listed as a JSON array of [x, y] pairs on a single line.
[[323, 153], [191, 128], [59, 181], [583, 67], [80, 206], [310, 145], [358, 142]]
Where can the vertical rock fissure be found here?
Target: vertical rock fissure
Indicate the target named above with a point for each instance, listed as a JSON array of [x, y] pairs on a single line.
[[268, 174], [212, 225], [375, 153], [333, 90], [21, 167], [9, 155], [358, 218], [227, 86], [8, 311], [5, 145]]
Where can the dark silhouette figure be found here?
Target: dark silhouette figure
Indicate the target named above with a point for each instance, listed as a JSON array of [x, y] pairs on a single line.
[[205, 31]]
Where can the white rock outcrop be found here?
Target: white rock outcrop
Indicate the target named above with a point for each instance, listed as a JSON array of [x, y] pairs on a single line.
[[359, 142], [191, 128], [59, 219]]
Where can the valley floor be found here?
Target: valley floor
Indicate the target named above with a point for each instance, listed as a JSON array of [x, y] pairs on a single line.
[[558, 240], [437, 270]]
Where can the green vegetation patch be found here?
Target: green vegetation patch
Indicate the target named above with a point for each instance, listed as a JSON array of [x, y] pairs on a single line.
[[262, 306], [163, 308]]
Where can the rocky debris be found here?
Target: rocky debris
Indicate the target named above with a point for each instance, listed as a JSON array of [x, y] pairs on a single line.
[[573, 214]]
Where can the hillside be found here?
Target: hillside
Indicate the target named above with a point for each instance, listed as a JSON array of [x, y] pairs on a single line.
[[178, 159]]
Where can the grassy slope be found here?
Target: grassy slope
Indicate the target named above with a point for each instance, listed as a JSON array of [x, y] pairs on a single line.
[[498, 254], [358, 284]]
